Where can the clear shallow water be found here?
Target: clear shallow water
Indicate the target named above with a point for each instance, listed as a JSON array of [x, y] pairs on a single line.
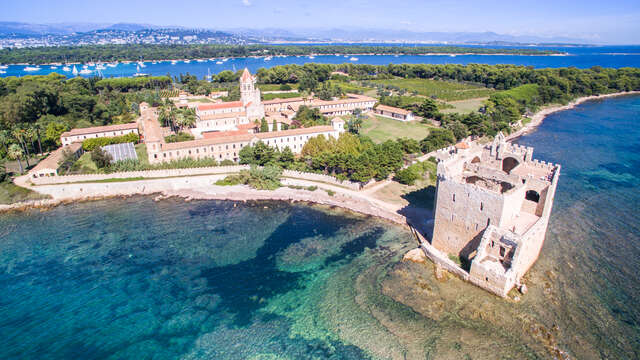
[[132, 278], [580, 57]]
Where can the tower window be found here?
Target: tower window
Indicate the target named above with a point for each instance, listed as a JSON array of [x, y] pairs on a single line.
[[454, 197], [481, 206]]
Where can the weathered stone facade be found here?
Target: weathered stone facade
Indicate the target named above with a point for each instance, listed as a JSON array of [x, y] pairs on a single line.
[[492, 209]]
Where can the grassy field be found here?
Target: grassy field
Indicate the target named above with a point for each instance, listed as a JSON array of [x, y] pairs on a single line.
[[464, 106], [380, 129], [444, 90], [141, 151], [348, 87], [280, 96], [201, 100], [10, 193], [274, 87]]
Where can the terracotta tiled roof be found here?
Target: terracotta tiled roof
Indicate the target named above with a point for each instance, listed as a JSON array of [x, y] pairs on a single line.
[[51, 161], [392, 109], [282, 101], [217, 134], [246, 75], [351, 99], [223, 105], [99, 129], [244, 137], [230, 115], [462, 145]]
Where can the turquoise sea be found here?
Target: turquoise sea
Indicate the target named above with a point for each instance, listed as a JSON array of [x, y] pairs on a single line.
[[138, 279], [580, 57]]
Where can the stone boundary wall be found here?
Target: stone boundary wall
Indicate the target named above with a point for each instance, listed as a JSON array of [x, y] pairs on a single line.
[[214, 170], [134, 174], [322, 178]]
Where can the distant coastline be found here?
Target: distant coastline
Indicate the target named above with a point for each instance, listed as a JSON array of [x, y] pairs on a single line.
[[148, 52], [539, 116]]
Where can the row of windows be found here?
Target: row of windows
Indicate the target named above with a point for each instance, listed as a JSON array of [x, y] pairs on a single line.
[[114, 133]]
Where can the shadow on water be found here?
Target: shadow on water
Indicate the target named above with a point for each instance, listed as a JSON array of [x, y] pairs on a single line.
[[244, 287]]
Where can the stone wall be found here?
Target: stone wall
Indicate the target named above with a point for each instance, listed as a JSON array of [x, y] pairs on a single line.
[[215, 170]]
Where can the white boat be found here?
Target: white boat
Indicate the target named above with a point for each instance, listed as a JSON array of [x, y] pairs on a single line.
[[225, 60], [396, 55], [32, 68], [268, 58], [173, 62], [100, 67], [53, 67], [141, 64], [311, 57], [200, 60], [66, 68], [86, 71], [187, 61], [4, 67], [138, 73], [75, 71], [112, 65], [2, 72], [219, 62], [154, 62], [85, 66], [353, 58]]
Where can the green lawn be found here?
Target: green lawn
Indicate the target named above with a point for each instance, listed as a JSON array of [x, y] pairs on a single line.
[[201, 100], [141, 151], [85, 165], [464, 106], [280, 96], [380, 129], [348, 87], [274, 87], [10, 193], [444, 90]]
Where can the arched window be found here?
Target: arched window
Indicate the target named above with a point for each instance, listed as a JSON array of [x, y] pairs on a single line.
[[532, 195], [509, 164]]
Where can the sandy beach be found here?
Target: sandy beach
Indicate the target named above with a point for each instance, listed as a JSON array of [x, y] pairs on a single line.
[[538, 117]]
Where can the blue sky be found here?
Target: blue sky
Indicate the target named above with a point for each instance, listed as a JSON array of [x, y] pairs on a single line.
[[600, 21]]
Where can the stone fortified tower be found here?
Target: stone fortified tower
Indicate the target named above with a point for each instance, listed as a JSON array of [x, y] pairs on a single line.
[[250, 96], [492, 210]]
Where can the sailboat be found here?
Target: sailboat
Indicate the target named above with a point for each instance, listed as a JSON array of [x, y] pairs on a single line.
[[208, 77], [66, 68], [32, 68], [138, 73], [75, 71], [86, 71]]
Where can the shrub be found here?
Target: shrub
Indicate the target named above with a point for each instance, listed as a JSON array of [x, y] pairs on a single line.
[[101, 158], [409, 175], [330, 192], [179, 137], [267, 178], [90, 144], [312, 188], [227, 162]]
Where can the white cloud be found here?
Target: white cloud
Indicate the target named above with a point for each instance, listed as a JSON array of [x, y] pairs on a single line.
[[246, 2]]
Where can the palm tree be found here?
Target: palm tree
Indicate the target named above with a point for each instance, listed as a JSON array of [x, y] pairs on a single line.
[[38, 128], [15, 152], [19, 134], [186, 118], [4, 139]]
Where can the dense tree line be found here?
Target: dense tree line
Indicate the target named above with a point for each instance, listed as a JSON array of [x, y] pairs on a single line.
[[35, 110], [135, 52], [524, 89]]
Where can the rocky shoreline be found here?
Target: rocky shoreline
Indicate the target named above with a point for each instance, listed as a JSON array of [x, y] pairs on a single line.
[[539, 117]]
